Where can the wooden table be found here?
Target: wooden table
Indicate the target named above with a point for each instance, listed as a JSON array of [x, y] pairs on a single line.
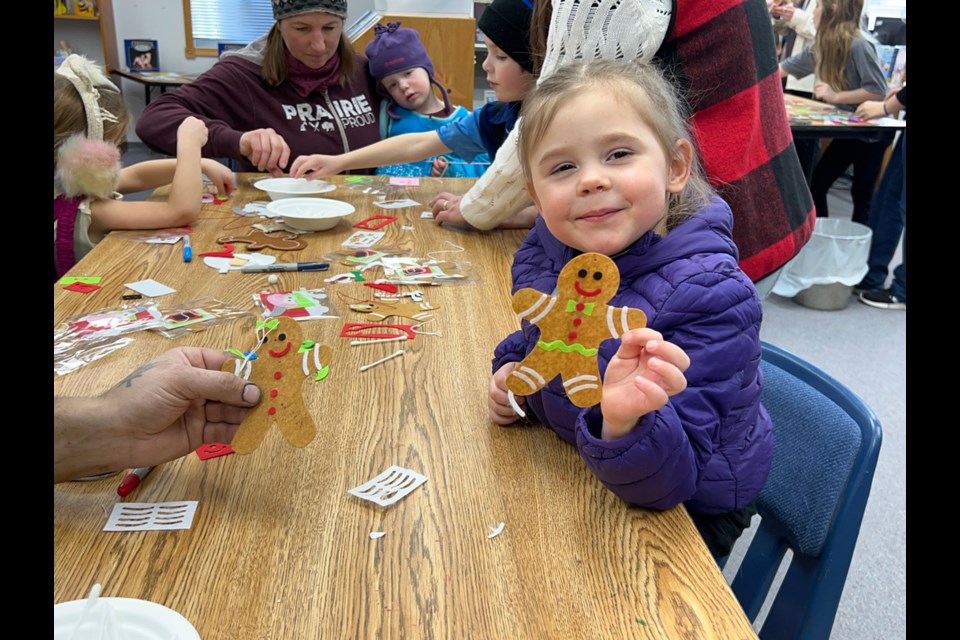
[[279, 549], [151, 79]]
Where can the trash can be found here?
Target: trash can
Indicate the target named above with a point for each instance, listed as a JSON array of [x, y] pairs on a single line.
[[823, 274]]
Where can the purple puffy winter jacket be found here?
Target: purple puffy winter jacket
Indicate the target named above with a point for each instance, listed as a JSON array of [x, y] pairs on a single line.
[[711, 446]]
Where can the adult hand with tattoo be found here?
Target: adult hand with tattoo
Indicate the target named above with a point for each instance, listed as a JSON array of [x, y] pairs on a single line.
[[163, 410]]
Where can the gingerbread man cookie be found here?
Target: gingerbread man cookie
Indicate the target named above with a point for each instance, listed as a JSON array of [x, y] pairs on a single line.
[[279, 369], [256, 240], [572, 325]]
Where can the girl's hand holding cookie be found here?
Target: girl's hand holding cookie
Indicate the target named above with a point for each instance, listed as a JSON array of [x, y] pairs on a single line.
[[500, 410], [640, 378]]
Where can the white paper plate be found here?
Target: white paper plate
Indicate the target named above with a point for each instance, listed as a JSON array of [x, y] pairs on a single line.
[[135, 620], [310, 214], [279, 188]]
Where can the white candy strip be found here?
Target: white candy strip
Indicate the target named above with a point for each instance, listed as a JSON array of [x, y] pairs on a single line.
[[378, 340], [513, 403], [381, 361]]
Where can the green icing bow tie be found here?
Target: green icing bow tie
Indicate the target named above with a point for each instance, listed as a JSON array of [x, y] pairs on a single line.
[[587, 307]]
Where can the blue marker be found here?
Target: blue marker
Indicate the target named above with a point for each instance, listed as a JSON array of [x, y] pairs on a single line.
[[187, 249]]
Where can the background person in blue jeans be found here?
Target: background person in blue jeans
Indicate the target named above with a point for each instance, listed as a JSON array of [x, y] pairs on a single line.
[[888, 216]]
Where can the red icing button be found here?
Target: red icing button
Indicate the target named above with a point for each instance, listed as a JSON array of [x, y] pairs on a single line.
[[272, 410], [577, 321], [579, 306], [572, 335], [277, 375], [273, 393]]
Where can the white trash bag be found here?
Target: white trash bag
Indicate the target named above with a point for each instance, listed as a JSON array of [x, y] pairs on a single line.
[[836, 253]]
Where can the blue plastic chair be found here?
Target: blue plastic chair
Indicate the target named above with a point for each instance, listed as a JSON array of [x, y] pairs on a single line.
[[826, 444]]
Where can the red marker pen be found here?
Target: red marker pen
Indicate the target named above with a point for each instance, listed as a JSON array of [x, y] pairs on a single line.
[[132, 480]]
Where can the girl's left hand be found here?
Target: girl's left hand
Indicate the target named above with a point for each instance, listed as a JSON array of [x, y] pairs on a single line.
[[220, 175], [640, 378], [825, 92]]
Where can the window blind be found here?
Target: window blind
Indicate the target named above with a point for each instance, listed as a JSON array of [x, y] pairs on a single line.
[[233, 21]]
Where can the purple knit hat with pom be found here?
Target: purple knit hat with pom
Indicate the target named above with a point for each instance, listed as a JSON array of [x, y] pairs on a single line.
[[395, 49]]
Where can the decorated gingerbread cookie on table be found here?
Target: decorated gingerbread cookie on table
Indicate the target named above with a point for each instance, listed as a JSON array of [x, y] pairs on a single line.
[[278, 365], [572, 324]]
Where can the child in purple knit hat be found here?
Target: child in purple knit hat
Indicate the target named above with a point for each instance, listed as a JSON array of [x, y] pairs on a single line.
[[404, 72]]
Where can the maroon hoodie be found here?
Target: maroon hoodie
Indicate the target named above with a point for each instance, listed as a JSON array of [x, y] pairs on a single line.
[[232, 98]]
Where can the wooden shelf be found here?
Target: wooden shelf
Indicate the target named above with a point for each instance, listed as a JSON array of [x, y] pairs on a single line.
[[73, 16], [69, 24]]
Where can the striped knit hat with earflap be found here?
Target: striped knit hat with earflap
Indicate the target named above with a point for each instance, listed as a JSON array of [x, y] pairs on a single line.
[[289, 8]]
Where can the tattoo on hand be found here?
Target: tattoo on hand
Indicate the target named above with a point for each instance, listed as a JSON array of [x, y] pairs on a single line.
[[128, 381]]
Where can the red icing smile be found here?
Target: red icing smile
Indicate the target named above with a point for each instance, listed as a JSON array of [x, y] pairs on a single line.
[[587, 294], [280, 354]]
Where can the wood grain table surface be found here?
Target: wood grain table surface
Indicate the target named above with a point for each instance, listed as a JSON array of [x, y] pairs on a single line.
[[278, 549]]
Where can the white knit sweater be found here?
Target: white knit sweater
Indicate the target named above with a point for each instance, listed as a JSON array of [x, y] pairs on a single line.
[[604, 29]]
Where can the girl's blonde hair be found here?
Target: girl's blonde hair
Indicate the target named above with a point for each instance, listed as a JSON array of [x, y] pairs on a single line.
[[638, 85], [839, 26], [274, 70], [69, 116]]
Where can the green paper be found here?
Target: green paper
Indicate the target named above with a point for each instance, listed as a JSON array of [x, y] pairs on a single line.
[[270, 324], [68, 280], [306, 346], [323, 373]]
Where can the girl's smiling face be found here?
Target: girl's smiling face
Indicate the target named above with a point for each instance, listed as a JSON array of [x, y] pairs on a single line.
[[599, 175]]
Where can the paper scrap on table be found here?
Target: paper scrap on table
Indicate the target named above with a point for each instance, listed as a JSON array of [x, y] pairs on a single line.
[[82, 287], [213, 450], [151, 516], [397, 204], [67, 280], [163, 240], [237, 261], [256, 208], [150, 287], [390, 486], [426, 214], [377, 534], [363, 239], [495, 531], [405, 182]]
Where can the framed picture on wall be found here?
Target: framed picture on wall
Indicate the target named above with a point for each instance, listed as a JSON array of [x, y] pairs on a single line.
[[142, 55]]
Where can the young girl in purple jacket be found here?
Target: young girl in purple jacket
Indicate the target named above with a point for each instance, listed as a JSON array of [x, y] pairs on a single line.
[[609, 161]]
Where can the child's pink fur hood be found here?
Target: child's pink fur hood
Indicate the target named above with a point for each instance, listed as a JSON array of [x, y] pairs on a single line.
[[87, 167]]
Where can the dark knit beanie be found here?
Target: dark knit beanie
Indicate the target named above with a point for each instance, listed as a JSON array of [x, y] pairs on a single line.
[[395, 49], [507, 24], [289, 8]]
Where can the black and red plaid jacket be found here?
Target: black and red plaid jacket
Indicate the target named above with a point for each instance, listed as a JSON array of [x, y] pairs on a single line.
[[721, 53]]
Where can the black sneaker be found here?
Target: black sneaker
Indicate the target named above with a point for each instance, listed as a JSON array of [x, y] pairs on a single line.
[[882, 300]]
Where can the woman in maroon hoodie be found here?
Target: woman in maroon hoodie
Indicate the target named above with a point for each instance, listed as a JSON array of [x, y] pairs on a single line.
[[298, 90]]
